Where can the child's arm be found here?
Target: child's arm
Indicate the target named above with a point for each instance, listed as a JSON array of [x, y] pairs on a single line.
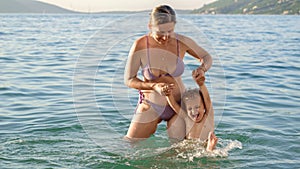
[[175, 106], [208, 107], [200, 81], [206, 97]]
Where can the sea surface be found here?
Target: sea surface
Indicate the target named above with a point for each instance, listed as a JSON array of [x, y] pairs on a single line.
[[63, 103]]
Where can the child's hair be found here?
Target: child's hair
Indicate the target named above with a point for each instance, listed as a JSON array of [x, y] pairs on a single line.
[[191, 94]]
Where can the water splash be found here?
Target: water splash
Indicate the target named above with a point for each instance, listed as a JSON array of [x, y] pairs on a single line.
[[191, 149]]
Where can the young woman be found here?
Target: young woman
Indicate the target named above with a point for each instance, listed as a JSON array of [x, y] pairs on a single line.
[[160, 54]]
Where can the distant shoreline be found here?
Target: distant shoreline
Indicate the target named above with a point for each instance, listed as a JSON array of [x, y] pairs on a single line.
[[245, 7], [101, 13]]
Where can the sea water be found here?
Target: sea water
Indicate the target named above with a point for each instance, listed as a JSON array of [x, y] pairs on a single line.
[[64, 104]]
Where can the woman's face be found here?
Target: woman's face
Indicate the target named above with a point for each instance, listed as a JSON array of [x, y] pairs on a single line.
[[194, 110], [162, 32]]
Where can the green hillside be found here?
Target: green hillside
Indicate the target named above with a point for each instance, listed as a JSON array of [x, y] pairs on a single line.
[[29, 6], [251, 7]]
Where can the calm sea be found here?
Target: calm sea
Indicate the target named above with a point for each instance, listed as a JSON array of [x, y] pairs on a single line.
[[64, 105]]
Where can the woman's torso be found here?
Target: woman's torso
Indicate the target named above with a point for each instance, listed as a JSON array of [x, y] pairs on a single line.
[[163, 64]]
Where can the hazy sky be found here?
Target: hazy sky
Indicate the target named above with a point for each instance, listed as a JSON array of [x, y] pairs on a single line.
[[114, 5]]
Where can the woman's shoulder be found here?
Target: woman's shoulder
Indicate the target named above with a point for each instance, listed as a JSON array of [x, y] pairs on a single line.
[[141, 38], [184, 38], [141, 42]]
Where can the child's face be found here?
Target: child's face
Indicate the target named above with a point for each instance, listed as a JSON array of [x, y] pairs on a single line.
[[195, 109]]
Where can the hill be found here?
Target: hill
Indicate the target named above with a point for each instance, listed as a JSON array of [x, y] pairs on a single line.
[[251, 7], [29, 6]]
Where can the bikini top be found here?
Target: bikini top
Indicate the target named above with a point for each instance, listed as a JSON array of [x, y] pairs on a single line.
[[146, 71]]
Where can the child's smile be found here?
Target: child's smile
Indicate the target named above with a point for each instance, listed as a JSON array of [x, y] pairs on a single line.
[[194, 110]]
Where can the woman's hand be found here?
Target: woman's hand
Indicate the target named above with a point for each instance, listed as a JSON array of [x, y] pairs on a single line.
[[199, 76], [163, 89]]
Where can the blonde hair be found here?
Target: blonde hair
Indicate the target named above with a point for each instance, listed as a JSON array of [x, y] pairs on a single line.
[[191, 94], [162, 14]]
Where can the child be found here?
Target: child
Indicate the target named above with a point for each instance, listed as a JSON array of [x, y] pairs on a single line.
[[198, 114]]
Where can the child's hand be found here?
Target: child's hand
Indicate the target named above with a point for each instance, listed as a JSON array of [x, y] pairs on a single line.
[[163, 89], [198, 76], [212, 141], [169, 89]]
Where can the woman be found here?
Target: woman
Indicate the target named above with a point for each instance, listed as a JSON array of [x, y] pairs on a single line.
[[160, 55]]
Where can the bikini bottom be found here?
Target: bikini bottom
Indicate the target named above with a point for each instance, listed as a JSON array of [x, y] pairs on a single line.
[[165, 112]]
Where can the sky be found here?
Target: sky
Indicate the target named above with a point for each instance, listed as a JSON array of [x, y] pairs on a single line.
[[124, 5]]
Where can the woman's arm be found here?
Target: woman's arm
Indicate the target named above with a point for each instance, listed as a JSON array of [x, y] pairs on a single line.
[[199, 53], [132, 67]]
